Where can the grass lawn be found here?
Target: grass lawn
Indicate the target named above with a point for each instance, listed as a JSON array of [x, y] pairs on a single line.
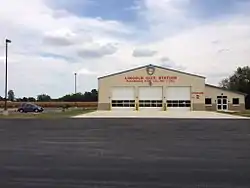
[[245, 113], [48, 115]]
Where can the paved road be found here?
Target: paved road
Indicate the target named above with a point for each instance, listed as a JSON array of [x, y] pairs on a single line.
[[121, 153]]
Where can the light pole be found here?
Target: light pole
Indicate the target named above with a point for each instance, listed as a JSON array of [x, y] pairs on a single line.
[[75, 82], [6, 74]]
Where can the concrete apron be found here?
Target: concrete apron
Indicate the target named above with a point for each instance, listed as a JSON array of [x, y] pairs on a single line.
[[159, 114]]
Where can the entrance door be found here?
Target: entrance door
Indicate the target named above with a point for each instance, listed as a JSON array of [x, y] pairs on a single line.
[[222, 103]]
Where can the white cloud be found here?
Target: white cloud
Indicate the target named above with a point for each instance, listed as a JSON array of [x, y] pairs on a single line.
[[96, 47], [84, 71], [30, 26], [62, 37], [97, 50], [168, 63], [200, 47], [144, 52]]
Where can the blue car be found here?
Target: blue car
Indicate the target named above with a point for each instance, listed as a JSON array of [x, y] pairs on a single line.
[[29, 107]]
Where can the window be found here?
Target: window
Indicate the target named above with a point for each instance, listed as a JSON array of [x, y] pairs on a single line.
[[236, 101], [177, 103], [125, 103], [208, 101], [148, 103], [221, 97]]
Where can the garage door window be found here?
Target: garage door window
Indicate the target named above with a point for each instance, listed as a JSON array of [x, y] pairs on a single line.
[[150, 103], [123, 103], [179, 103]]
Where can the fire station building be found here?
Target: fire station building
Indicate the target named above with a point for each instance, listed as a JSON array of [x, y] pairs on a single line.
[[153, 87]]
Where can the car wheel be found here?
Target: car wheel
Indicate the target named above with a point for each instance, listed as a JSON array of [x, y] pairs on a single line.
[[36, 110], [21, 111]]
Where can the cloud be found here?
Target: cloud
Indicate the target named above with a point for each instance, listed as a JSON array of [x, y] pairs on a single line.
[[144, 53], [215, 42], [222, 50], [57, 40], [36, 45], [97, 50], [168, 63], [65, 37], [164, 59], [84, 71], [65, 42]]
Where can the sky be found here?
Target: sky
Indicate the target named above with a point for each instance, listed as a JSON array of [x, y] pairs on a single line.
[[53, 39]]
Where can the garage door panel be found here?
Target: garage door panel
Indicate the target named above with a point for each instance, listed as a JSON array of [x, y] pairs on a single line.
[[150, 98], [178, 98], [178, 93], [123, 93], [150, 93], [123, 98]]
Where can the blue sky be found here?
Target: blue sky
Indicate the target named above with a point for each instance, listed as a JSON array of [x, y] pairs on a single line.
[[52, 39], [122, 10], [212, 9], [127, 10]]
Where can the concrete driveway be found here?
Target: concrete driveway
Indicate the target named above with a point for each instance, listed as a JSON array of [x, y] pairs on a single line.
[[159, 114]]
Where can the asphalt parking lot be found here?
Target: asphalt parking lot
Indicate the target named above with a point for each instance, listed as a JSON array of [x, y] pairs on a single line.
[[125, 153]]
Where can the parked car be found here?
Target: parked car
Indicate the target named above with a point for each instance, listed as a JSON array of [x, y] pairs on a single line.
[[29, 107]]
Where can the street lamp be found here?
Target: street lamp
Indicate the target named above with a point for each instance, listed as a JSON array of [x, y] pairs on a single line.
[[6, 74], [75, 82]]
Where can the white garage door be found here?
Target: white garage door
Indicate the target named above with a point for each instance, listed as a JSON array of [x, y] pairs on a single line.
[[150, 98], [123, 98], [178, 98]]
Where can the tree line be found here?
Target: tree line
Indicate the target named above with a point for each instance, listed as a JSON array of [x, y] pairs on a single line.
[[91, 96], [239, 81]]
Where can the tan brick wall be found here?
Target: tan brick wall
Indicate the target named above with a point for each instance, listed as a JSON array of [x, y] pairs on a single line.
[[198, 107], [211, 108], [103, 106], [240, 107]]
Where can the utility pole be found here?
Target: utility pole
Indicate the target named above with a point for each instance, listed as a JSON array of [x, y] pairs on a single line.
[[75, 82], [6, 75]]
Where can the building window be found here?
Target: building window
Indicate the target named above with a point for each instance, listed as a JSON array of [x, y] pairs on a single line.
[[179, 103], [208, 101], [236, 101], [123, 103], [150, 103]]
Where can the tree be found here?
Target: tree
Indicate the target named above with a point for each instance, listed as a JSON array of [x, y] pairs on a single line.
[[24, 99], [43, 98], [11, 95], [239, 81], [94, 94], [31, 99], [80, 97]]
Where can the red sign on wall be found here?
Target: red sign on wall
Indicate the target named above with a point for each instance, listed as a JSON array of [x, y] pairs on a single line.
[[198, 93], [154, 79]]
